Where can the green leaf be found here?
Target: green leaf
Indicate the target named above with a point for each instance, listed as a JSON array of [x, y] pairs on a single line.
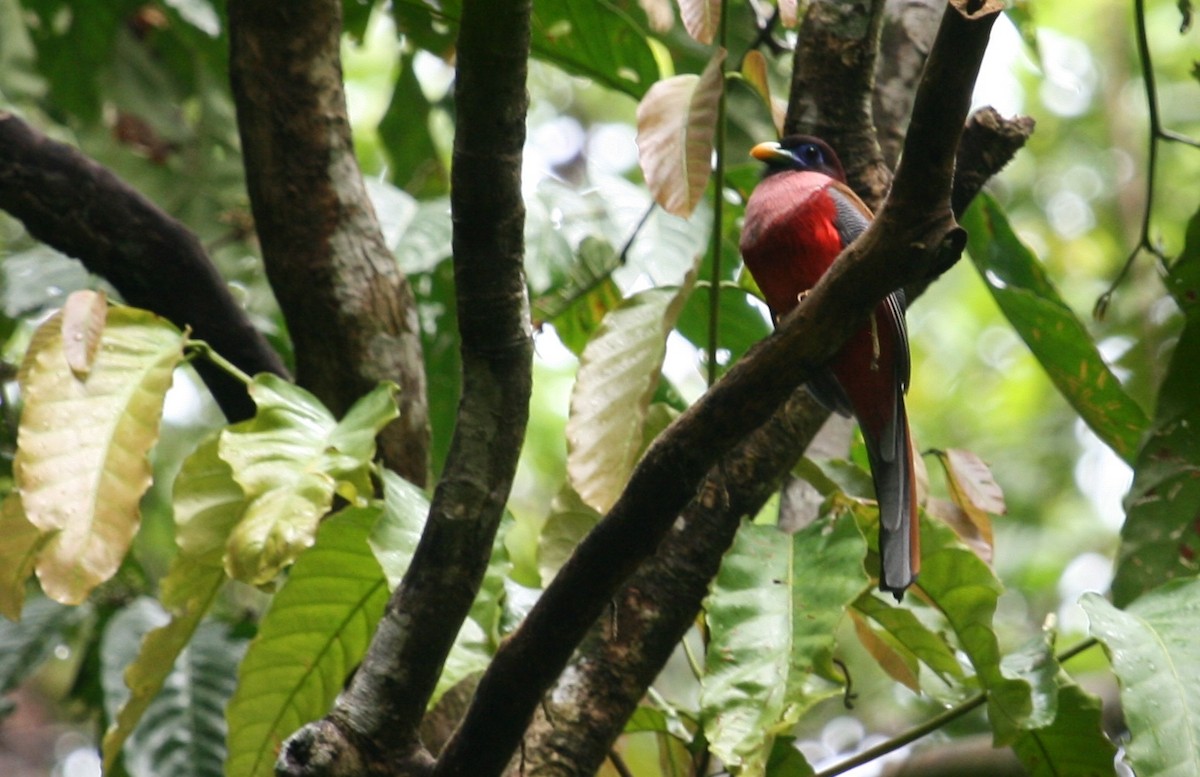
[[81, 463], [394, 539], [1183, 281], [956, 582], [597, 39], [351, 444], [27, 644], [618, 372], [425, 237], [741, 323], [1034, 663], [37, 278], [1073, 744], [579, 321], [150, 670], [325, 614], [289, 459], [1153, 649], [208, 503], [567, 524], [470, 654], [73, 52], [183, 730], [772, 614], [787, 761], [1158, 539], [20, 542], [1057, 339], [905, 640], [677, 122], [591, 270], [416, 165]]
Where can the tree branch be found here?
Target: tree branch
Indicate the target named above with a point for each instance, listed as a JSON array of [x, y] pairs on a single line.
[[82, 209], [350, 312], [578, 721], [913, 238], [833, 82], [909, 27], [373, 728], [577, 724]]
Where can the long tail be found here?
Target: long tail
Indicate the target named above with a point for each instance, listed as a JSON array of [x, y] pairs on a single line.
[[891, 460]]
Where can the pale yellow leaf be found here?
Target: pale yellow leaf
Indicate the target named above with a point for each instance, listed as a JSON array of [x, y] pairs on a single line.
[[618, 372], [83, 318], [754, 71], [290, 460], [967, 530], [701, 18], [789, 12], [660, 14], [975, 481], [677, 122], [974, 490], [81, 465]]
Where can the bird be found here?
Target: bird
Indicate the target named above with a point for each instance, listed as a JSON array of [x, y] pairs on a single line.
[[797, 220]]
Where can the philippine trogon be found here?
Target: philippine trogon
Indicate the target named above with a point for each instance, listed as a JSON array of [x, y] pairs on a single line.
[[798, 219]]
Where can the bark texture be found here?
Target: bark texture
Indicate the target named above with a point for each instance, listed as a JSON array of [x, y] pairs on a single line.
[[349, 310], [82, 209], [909, 27], [914, 237], [373, 729], [833, 83], [578, 721]]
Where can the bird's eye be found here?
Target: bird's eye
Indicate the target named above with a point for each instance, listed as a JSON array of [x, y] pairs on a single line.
[[810, 155]]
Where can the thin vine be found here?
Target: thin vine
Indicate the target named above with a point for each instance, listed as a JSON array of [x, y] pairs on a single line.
[[933, 724], [714, 288], [1157, 134]]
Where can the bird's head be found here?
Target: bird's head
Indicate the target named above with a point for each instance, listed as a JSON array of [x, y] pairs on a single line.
[[800, 152]]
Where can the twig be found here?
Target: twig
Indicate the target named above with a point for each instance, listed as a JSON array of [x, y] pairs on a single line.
[[1157, 133], [934, 723], [619, 764]]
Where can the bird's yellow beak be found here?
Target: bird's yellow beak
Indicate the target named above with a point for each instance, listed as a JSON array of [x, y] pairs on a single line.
[[766, 152]]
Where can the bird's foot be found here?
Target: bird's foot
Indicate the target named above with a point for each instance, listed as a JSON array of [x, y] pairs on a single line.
[[875, 349]]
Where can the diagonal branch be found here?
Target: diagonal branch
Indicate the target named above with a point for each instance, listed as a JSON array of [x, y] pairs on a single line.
[[914, 237], [610, 673], [629, 646], [82, 209]]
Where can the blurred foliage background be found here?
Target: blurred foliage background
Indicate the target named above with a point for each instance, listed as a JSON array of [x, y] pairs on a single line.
[[143, 89]]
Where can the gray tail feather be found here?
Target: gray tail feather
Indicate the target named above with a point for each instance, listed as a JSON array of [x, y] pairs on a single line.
[[892, 473]]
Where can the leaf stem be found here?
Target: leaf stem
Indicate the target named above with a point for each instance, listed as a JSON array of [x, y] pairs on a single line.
[[714, 288], [201, 348], [934, 723]]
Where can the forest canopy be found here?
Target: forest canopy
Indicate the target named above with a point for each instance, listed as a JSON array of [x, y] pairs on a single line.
[[384, 392]]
